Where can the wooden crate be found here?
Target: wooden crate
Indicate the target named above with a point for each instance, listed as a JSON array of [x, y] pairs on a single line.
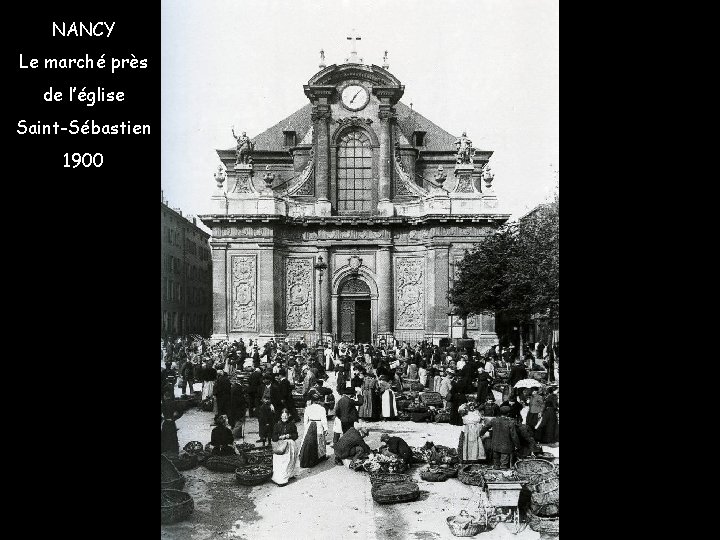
[[503, 493]]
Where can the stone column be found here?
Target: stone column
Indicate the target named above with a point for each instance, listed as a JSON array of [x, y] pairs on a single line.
[[326, 294], [220, 271], [442, 277], [385, 290], [266, 292], [386, 115], [321, 116]]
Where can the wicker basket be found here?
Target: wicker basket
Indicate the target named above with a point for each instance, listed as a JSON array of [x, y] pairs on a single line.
[[225, 464], [395, 492], [433, 475], [170, 478], [533, 470], [244, 447], [184, 461], [259, 456], [544, 525], [442, 416], [450, 470], [546, 491], [193, 447], [545, 510], [464, 524], [253, 475], [547, 456], [380, 478], [175, 505], [472, 475], [403, 416]]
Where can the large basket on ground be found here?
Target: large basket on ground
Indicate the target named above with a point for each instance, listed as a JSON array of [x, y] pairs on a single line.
[[544, 525], [472, 475], [547, 456], [442, 416], [545, 491], [379, 478], [403, 416], [433, 475], [184, 461], [533, 470], [170, 478], [253, 475], [450, 469], [431, 398], [395, 492], [464, 524], [225, 464], [175, 505]]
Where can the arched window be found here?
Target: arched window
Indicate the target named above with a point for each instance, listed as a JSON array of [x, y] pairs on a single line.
[[354, 173]]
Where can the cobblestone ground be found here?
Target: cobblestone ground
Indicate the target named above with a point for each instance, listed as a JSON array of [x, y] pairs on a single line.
[[327, 501]]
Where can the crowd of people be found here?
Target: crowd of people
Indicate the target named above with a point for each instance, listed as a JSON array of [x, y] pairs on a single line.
[[243, 379]]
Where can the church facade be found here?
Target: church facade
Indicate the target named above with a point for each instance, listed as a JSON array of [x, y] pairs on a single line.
[[347, 219]]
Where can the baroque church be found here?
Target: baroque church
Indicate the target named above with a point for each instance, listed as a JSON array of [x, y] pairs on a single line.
[[347, 219]]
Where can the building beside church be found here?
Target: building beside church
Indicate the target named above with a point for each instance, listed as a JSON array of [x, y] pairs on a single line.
[[185, 275], [357, 179]]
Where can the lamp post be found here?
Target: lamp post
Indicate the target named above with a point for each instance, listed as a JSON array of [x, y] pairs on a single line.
[[321, 266]]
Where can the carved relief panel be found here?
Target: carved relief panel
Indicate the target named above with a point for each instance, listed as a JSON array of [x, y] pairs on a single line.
[[299, 293], [243, 291], [409, 293]]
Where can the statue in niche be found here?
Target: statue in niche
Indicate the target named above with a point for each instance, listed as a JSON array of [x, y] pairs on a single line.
[[243, 147]]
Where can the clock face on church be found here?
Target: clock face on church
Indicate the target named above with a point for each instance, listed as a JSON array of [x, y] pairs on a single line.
[[355, 97]]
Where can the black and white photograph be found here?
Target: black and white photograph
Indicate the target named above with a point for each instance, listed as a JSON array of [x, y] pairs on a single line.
[[359, 269]]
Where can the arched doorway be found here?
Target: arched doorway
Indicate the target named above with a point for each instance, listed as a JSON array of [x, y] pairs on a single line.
[[355, 312]]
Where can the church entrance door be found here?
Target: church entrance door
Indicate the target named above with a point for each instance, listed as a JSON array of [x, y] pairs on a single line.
[[362, 321], [355, 312]]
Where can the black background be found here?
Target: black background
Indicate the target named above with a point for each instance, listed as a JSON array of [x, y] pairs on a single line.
[[83, 260]]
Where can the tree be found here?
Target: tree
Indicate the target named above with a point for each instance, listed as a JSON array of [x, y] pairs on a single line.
[[515, 272]]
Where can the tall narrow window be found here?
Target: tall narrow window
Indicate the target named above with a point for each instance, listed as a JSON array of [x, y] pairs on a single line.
[[354, 174]]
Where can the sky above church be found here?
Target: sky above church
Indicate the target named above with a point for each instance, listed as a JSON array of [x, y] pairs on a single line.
[[488, 67]]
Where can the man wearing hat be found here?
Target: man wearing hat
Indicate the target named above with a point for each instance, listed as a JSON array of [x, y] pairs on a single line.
[[504, 438], [517, 373], [351, 445]]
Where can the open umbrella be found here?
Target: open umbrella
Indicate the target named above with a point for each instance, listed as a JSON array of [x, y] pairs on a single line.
[[528, 383]]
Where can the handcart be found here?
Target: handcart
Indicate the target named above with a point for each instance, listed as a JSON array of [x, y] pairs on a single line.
[[502, 499]]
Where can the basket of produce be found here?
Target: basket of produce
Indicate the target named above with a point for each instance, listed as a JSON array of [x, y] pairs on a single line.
[[442, 416], [403, 416], [465, 524], [395, 492], [378, 478], [175, 505], [207, 404], [170, 478], [184, 461], [533, 470], [253, 475], [545, 491], [472, 475], [259, 456], [433, 475], [431, 398], [193, 447], [244, 447], [225, 464], [419, 455], [416, 386], [402, 404], [450, 469], [549, 526], [498, 476]]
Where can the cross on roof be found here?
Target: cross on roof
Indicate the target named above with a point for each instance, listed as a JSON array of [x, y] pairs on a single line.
[[354, 37]]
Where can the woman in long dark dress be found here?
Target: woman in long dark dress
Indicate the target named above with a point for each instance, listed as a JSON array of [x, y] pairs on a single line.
[[458, 398], [266, 412], [313, 449], [238, 410], [168, 431], [547, 430]]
